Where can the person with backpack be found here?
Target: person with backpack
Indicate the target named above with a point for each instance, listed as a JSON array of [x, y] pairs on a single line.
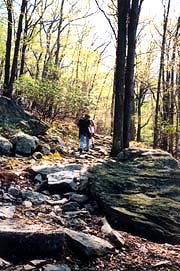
[[84, 125]]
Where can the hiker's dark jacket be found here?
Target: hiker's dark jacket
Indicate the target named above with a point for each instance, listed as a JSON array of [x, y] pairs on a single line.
[[84, 125]]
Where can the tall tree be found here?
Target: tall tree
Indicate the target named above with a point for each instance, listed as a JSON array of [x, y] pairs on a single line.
[[128, 15], [8, 47], [119, 78], [8, 87], [160, 77], [129, 73], [59, 30], [33, 16]]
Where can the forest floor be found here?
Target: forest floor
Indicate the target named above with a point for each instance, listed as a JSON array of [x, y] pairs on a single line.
[[138, 254]]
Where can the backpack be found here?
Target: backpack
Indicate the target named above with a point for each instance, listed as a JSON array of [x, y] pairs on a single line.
[[92, 127], [92, 122]]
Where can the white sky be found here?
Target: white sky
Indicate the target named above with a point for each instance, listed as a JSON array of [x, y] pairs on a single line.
[[150, 9], [155, 8]]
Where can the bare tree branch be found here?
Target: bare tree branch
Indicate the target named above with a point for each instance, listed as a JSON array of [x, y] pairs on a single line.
[[107, 18]]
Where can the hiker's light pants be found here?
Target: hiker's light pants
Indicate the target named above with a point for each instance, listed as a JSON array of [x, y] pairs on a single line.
[[81, 146]]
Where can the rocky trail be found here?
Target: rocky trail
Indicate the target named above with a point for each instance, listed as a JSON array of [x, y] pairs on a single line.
[[49, 221]]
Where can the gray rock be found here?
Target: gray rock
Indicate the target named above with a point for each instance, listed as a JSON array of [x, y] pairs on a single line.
[[8, 197], [13, 118], [40, 240], [5, 146], [56, 197], [7, 212], [81, 199], [57, 202], [75, 214], [45, 149], [141, 195], [37, 155], [1, 192], [87, 245], [38, 262], [83, 187], [24, 240], [34, 197], [115, 236], [56, 144], [46, 168], [27, 203], [4, 264], [38, 178], [24, 144], [27, 267], [14, 191], [61, 149], [155, 157], [57, 140], [61, 182], [56, 267], [70, 206]]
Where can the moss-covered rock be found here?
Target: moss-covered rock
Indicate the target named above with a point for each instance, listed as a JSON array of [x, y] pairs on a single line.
[[141, 194], [14, 118]]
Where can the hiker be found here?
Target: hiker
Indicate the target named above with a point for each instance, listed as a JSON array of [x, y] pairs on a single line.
[[84, 132]]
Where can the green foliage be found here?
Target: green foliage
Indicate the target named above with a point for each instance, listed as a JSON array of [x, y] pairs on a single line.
[[166, 127], [51, 99], [3, 38]]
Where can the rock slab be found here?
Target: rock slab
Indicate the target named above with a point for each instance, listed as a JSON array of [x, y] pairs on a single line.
[[140, 194]]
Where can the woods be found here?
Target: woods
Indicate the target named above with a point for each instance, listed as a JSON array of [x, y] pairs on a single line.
[[49, 65], [89, 135], [55, 62]]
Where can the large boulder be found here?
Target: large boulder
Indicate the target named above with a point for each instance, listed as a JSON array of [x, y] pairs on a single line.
[[13, 117], [141, 193], [24, 144]]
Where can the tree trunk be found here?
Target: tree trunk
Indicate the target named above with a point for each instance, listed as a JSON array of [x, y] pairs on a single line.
[[157, 108], [128, 14], [139, 104], [178, 113], [1, 69], [119, 78], [24, 46], [165, 112], [171, 112], [174, 103], [8, 50], [59, 34], [16, 49], [129, 93]]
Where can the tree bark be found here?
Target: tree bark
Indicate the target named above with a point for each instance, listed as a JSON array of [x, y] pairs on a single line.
[[173, 103], [129, 93], [139, 104], [59, 34], [24, 46], [16, 49], [8, 49], [128, 15], [119, 77], [157, 108]]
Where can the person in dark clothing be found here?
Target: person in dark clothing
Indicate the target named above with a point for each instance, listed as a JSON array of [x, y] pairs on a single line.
[[84, 132]]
